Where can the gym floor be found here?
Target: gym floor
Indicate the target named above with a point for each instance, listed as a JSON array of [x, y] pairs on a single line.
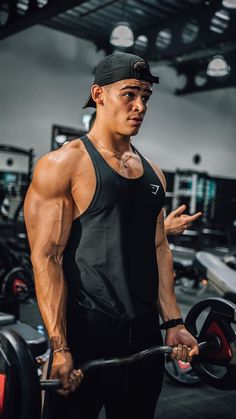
[[176, 401]]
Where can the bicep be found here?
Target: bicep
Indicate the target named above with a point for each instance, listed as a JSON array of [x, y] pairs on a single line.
[[160, 236]]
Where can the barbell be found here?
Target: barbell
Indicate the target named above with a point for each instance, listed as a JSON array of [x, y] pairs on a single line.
[[20, 387]]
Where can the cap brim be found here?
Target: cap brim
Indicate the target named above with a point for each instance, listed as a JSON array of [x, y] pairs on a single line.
[[89, 103]]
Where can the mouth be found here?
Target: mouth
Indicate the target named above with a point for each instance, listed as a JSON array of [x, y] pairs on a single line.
[[136, 121]]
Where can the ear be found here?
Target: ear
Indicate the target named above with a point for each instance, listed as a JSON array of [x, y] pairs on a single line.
[[97, 94]]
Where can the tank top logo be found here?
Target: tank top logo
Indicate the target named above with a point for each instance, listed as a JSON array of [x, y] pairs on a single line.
[[154, 188]]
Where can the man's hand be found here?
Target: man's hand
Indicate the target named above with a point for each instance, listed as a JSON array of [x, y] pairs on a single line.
[[63, 369], [176, 222], [185, 345]]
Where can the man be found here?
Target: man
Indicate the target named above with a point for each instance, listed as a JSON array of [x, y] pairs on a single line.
[[102, 264]]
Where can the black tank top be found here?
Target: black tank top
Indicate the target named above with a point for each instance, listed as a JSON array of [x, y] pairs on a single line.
[[110, 259]]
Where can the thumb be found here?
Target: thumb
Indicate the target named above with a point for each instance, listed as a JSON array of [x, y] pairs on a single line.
[[179, 210]]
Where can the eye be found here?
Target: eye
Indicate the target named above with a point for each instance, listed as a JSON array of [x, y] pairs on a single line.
[[129, 95]]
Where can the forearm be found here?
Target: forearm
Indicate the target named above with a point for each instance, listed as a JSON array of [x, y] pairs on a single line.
[[51, 293], [167, 304]]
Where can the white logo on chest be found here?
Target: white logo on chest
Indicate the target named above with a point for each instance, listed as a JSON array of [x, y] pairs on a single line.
[[154, 188]]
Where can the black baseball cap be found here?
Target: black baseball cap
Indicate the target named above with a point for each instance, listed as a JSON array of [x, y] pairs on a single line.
[[120, 66]]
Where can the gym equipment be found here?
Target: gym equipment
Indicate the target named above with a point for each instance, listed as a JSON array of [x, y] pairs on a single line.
[[217, 369], [220, 276], [16, 275], [217, 346], [61, 134], [18, 284], [15, 174], [195, 271], [182, 372], [198, 191], [13, 404], [187, 277]]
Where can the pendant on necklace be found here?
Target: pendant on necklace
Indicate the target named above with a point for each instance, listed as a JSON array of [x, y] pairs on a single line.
[[124, 162]]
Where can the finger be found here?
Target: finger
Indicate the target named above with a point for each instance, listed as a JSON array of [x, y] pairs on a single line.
[[76, 378], [179, 210], [179, 352], [194, 216], [185, 352], [174, 353], [78, 373], [194, 351]]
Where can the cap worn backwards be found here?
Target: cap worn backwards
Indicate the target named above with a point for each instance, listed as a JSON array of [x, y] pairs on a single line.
[[120, 66]]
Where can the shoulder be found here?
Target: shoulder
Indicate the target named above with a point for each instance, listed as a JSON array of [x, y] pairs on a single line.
[[62, 158], [158, 172], [54, 170]]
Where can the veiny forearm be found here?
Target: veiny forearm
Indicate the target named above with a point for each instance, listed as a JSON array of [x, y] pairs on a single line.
[[167, 303], [51, 292]]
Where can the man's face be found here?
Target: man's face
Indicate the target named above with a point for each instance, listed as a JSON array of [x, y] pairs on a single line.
[[125, 105]]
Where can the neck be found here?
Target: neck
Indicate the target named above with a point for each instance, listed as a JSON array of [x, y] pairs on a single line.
[[110, 139]]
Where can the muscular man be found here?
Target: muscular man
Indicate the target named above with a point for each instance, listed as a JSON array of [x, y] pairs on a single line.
[[102, 264]]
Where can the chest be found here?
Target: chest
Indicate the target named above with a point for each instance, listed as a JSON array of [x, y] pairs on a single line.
[[99, 183]]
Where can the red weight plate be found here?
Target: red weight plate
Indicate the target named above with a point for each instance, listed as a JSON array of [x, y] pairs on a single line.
[[184, 365], [2, 392], [225, 351], [22, 396], [18, 286]]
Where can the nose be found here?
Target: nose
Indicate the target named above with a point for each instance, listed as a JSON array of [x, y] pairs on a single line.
[[139, 105]]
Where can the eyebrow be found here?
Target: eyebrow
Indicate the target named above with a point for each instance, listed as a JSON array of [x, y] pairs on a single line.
[[137, 88]]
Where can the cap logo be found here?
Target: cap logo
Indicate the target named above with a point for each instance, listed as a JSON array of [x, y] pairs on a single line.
[[140, 65]]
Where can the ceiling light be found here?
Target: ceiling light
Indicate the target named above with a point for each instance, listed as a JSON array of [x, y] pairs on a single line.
[[141, 42], [42, 3], [22, 7], [220, 21], [218, 67], [231, 4], [200, 79], [190, 32], [122, 35], [163, 39]]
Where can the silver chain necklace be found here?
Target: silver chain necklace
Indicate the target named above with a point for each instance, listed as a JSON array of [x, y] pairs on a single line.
[[115, 154]]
